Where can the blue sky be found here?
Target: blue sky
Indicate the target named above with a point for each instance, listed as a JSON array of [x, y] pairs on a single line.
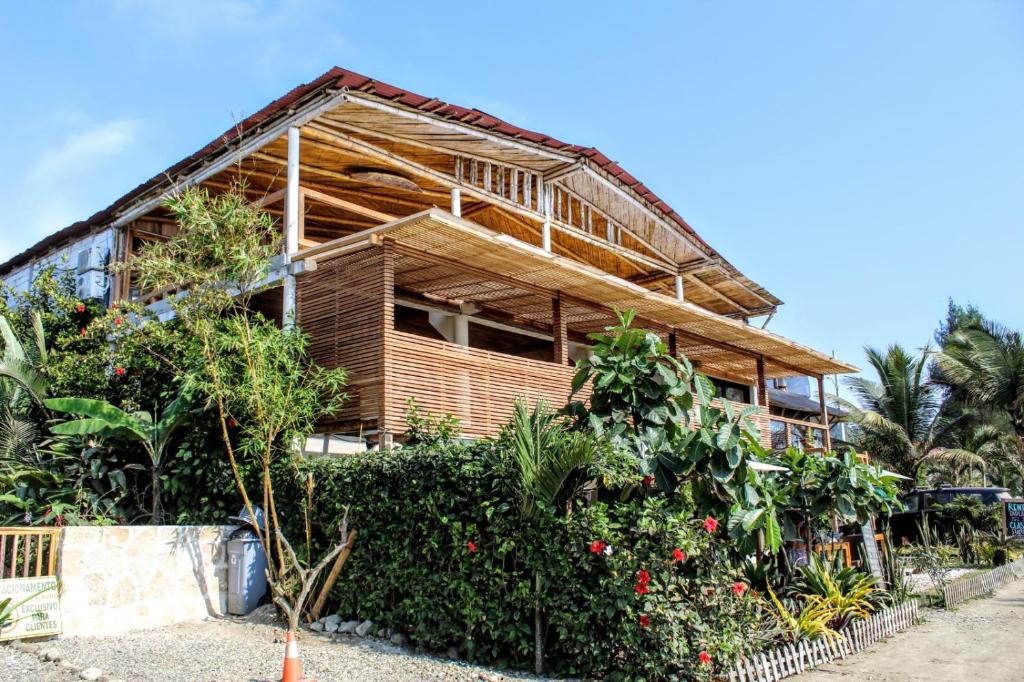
[[862, 160]]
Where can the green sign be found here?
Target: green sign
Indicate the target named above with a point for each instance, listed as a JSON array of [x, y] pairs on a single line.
[[1013, 518], [33, 607]]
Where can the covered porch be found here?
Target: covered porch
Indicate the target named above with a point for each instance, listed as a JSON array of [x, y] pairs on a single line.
[[463, 320]]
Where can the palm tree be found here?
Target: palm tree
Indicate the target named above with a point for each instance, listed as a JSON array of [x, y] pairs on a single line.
[[23, 383], [552, 463], [902, 416], [103, 419], [985, 362], [985, 447]]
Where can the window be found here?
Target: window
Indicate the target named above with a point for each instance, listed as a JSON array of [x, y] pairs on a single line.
[[730, 390]]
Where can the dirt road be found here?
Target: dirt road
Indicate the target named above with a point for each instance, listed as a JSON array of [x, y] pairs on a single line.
[[982, 641]]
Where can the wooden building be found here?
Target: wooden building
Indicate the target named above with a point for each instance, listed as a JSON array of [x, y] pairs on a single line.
[[446, 256]]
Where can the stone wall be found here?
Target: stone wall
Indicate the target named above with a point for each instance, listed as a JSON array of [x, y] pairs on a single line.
[[120, 578]]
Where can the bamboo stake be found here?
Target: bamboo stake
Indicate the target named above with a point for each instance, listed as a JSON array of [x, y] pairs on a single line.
[[332, 577]]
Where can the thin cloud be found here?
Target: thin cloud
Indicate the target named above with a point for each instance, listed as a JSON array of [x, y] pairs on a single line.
[[83, 149], [66, 182]]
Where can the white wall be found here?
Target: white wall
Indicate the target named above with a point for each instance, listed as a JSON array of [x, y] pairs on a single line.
[[93, 283], [120, 578]]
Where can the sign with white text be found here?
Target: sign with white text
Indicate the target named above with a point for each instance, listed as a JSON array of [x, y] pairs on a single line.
[[33, 605], [1013, 518]]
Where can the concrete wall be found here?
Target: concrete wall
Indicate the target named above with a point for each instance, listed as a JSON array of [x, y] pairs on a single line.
[[120, 578], [93, 282]]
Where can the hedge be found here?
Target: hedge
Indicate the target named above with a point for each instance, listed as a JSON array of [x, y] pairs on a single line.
[[443, 556]]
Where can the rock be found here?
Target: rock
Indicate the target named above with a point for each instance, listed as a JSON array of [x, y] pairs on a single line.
[[332, 622], [384, 633], [91, 674], [363, 629], [348, 627], [316, 626], [51, 655], [398, 639], [453, 653], [264, 615]]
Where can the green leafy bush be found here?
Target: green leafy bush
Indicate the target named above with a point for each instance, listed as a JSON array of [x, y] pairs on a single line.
[[633, 590]]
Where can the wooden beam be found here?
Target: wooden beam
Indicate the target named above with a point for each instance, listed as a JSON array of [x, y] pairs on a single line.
[[699, 266], [271, 198], [435, 148], [716, 293], [348, 206]]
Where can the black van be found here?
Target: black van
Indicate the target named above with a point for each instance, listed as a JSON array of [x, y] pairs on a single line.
[[920, 501]]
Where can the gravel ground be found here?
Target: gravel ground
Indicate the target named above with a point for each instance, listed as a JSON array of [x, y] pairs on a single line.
[[232, 651], [923, 583]]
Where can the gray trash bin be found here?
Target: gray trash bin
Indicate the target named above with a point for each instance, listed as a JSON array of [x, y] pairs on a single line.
[[247, 571]]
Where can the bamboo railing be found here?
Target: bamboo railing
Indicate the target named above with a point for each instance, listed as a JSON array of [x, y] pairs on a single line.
[[27, 552], [793, 659], [981, 585]]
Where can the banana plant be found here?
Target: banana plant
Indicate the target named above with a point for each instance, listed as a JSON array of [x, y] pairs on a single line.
[[24, 367], [103, 420]]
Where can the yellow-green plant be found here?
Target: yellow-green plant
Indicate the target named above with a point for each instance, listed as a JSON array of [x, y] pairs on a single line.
[[813, 621], [850, 593]]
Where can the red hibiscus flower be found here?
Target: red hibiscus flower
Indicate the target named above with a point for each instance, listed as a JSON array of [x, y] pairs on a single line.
[[642, 578], [231, 422], [705, 658], [118, 321], [678, 556], [739, 588], [645, 621], [471, 546], [648, 480], [597, 546], [80, 307], [119, 371], [711, 524]]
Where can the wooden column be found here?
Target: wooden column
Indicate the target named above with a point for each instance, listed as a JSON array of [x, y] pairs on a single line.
[[387, 303], [456, 202], [545, 192], [559, 332], [824, 411], [762, 384], [292, 211]]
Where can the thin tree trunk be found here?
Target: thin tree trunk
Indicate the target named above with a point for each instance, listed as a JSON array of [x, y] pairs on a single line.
[[538, 633], [157, 516]]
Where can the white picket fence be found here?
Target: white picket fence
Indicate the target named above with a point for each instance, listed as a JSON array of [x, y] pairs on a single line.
[[793, 659], [983, 584]]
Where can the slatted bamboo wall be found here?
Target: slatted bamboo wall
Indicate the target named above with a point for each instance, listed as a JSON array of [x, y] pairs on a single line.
[[341, 307], [477, 386], [981, 585], [793, 659], [28, 552]]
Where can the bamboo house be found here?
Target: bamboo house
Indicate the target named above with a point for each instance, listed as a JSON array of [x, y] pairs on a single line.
[[443, 255]]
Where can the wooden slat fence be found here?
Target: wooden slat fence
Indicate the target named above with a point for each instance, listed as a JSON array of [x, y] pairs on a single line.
[[28, 552], [793, 659], [981, 585]]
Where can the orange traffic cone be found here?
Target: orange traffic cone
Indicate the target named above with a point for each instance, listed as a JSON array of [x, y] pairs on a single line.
[[292, 663]]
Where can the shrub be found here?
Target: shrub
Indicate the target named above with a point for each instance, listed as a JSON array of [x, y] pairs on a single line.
[[444, 555]]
